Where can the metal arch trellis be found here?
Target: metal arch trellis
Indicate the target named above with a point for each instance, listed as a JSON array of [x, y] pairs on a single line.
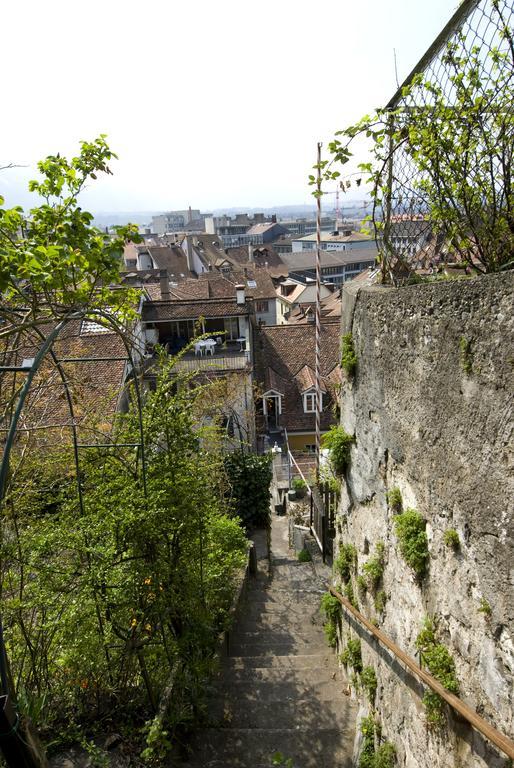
[[406, 232], [47, 349]]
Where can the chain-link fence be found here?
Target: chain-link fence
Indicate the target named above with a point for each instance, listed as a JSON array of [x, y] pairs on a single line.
[[445, 182]]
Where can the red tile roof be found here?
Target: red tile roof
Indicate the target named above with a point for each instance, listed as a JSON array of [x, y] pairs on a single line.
[[284, 354]]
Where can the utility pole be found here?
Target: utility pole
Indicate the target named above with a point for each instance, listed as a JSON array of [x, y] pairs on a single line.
[[318, 313]]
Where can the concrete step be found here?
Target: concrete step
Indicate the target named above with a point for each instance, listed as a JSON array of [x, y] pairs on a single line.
[[278, 712], [322, 671], [291, 647], [248, 692], [285, 662], [247, 632], [247, 747]]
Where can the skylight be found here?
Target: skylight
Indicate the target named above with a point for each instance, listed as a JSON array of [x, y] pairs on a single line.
[[251, 284], [90, 326]]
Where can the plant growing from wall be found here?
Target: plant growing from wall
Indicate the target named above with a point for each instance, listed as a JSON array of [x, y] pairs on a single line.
[[369, 682], [439, 662], [485, 607], [394, 500], [352, 656], [362, 585], [350, 595], [338, 443], [380, 601], [384, 756], [451, 538], [346, 561], [331, 607], [466, 356], [348, 355], [412, 539], [373, 569]]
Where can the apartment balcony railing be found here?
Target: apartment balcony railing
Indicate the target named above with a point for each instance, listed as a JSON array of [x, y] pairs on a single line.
[[223, 360]]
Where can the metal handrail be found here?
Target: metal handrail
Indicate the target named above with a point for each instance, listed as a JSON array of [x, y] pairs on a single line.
[[499, 739]]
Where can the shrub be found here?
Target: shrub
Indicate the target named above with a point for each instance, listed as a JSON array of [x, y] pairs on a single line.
[[346, 561], [351, 656], [299, 486], [385, 756], [250, 477], [394, 499], [330, 633], [412, 538], [369, 682], [451, 538], [338, 443], [304, 556], [362, 585], [348, 355], [373, 569]]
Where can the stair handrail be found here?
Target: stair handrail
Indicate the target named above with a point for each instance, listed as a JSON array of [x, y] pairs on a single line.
[[499, 739]]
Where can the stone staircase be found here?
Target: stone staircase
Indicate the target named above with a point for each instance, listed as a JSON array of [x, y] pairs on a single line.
[[279, 688]]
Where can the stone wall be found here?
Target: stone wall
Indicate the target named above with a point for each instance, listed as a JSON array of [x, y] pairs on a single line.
[[443, 436]]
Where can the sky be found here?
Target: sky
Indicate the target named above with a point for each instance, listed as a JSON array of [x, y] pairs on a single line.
[[208, 104]]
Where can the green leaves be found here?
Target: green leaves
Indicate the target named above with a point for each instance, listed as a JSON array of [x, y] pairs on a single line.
[[53, 253]]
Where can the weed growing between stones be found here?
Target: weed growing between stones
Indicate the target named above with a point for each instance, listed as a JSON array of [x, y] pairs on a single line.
[[451, 538], [394, 500], [348, 355], [439, 662], [384, 756], [380, 601], [346, 561], [412, 539], [484, 607], [466, 356], [331, 607], [369, 683], [373, 569], [304, 556], [352, 655], [350, 595]]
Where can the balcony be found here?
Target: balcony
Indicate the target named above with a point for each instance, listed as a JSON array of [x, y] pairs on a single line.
[[221, 360]]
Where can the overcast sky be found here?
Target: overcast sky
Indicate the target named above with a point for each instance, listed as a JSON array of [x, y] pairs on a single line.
[[208, 104]]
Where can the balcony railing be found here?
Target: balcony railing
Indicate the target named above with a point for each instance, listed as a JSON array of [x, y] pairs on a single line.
[[220, 361]]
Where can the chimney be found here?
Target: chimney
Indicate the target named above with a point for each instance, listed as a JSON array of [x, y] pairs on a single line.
[[190, 217], [148, 231], [250, 252], [240, 294], [164, 284]]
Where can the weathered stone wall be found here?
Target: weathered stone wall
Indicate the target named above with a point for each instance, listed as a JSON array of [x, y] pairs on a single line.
[[444, 437]]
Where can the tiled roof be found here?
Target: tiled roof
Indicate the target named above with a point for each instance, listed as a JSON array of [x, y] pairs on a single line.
[[95, 385], [306, 379], [283, 352], [191, 310]]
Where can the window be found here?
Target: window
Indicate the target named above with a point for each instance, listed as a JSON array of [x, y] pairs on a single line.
[[309, 402], [310, 448], [262, 306]]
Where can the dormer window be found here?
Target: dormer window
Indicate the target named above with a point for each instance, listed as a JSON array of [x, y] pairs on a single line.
[[309, 401]]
